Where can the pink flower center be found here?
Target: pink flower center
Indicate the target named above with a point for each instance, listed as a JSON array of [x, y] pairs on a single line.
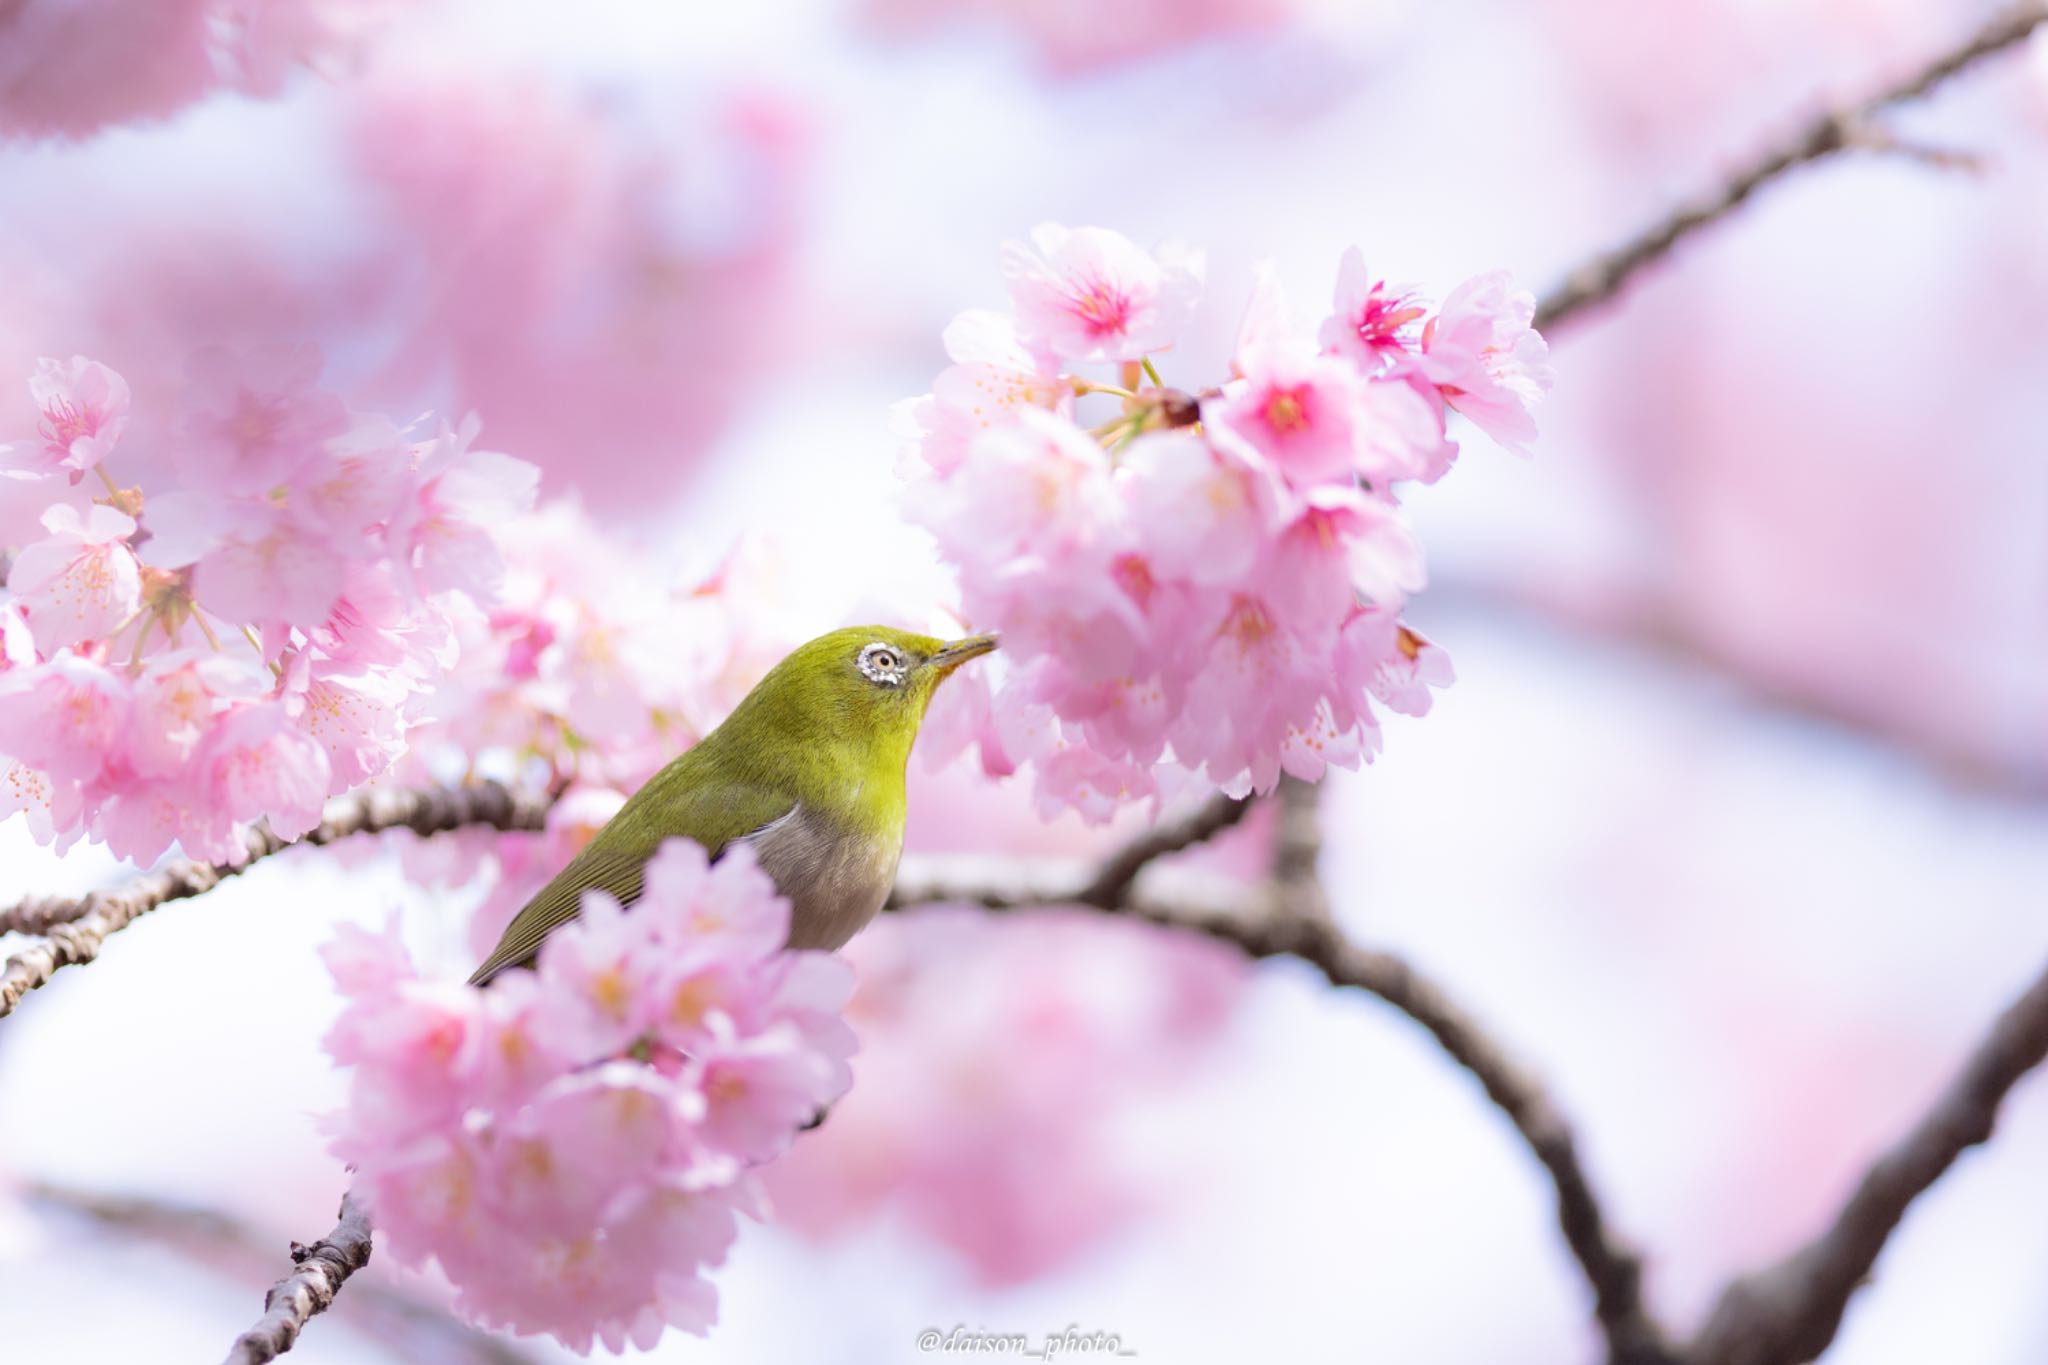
[[255, 425], [609, 989], [692, 1000], [84, 708], [65, 422], [1134, 576], [1287, 410], [1248, 626], [1100, 305], [1381, 320], [443, 1041]]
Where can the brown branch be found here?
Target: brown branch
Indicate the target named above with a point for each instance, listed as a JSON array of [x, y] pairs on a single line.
[[1840, 130], [416, 1328], [1779, 1317], [1274, 920], [1789, 1313], [322, 1269], [75, 938], [40, 914], [1121, 868], [1611, 1269], [1297, 849]]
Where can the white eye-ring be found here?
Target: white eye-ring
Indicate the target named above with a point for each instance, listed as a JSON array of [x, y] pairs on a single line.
[[882, 664]]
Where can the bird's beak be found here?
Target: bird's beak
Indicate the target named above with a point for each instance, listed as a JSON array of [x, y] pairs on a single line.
[[958, 652]]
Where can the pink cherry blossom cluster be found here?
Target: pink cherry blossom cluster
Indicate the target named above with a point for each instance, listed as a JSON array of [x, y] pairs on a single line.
[[587, 672], [571, 1144], [1204, 583], [589, 667], [71, 67], [241, 635]]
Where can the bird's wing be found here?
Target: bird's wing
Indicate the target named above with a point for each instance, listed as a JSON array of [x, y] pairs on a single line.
[[616, 859]]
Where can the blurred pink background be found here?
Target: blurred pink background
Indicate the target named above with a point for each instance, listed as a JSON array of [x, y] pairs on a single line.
[[1732, 825]]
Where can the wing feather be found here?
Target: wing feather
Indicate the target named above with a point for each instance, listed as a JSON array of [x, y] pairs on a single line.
[[615, 861], [560, 901]]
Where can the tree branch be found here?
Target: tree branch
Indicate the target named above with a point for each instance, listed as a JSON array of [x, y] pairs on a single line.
[[322, 1269], [1789, 1314], [1121, 868], [1011, 883], [1604, 276], [414, 1327], [1612, 1270], [1276, 920], [78, 929]]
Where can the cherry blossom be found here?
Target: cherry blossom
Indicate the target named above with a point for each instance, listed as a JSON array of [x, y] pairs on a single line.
[[1303, 411], [255, 419], [250, 630], [81, 581], [1490, 364], [1090, 294], [993, 375], [570, 1145], [84, 407], [1374, 323], [1197, 589]]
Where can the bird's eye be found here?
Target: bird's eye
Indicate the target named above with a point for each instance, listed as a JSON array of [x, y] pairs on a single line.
[[881, 664]]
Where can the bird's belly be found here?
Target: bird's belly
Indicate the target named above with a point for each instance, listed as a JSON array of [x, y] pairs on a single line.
[[835, 881]]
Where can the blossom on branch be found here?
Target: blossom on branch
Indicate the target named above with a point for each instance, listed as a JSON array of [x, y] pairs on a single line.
[[1197, 589], [249, 630], [571, 1145]]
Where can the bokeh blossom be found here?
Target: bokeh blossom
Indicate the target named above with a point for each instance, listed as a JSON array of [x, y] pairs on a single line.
[[1199, 586], [571, 1145], [1072, 37], [999, 1059], [600, 270], [72, 67]]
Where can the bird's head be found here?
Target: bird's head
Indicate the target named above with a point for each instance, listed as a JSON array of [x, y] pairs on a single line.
[[866, 684]]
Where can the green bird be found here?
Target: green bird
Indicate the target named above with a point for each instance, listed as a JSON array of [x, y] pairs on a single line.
[[808, 769]]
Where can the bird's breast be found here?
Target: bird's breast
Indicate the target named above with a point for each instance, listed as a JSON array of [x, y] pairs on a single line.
[[835, 878]]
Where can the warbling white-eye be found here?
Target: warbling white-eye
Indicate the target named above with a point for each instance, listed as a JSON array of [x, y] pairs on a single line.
[[808, 769]]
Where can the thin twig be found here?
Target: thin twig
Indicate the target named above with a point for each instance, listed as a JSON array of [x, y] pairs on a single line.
[[1668, 637], [77, 938], [1789, 1313], [406, 1322], [1835, 131], [322, 1269]]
